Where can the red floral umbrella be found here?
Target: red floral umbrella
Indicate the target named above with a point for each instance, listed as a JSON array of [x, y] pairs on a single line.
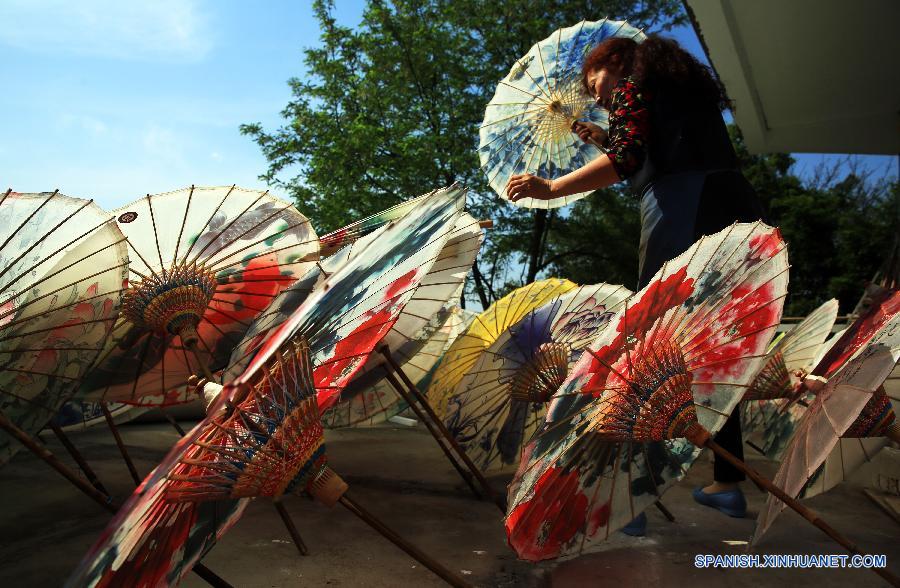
[[262, 432], [672, 365], [614, 440], [205, 261]]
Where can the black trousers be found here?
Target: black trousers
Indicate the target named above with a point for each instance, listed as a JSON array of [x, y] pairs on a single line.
[[676, 211]]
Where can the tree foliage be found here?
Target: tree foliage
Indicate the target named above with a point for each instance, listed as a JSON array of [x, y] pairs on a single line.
[[391, 109]]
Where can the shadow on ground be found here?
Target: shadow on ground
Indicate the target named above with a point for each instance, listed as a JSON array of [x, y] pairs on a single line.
[[400, 475]]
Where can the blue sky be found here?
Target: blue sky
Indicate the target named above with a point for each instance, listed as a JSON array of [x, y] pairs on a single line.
[[112, 100]]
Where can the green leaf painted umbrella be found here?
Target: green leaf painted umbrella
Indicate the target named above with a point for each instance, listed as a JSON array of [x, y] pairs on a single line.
[[502, 399], [63, 266], [527, 125], [765, 414], [334, 241], [613, 441], [205, 261], [262, 436]]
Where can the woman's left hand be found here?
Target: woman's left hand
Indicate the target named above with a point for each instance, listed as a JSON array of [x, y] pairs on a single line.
[[528, 186]]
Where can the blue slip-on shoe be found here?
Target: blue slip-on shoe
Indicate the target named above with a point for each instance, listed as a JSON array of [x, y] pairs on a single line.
[[637, 527], [731, 502]]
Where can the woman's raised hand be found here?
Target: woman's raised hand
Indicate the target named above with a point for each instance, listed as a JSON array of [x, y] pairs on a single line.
[[528, 186], [589, 132]]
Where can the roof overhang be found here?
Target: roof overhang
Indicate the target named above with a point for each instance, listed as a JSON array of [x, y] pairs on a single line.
[[817, 76]]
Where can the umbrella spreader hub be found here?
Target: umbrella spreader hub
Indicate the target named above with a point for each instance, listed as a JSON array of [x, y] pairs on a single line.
[[537, 380], [172, 302]]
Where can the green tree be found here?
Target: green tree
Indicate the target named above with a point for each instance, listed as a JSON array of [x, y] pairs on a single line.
[[391, 109], [840, 225]]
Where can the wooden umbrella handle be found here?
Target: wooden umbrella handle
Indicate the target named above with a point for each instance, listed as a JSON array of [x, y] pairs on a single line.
[[416, 553], [807, 513]]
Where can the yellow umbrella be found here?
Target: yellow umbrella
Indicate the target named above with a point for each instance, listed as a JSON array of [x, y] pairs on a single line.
[[483, 331]]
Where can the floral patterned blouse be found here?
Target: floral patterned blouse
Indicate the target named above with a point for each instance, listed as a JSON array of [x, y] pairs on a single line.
[[629, 127]]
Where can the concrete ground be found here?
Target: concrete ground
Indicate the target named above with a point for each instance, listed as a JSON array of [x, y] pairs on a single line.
[[400, 475]]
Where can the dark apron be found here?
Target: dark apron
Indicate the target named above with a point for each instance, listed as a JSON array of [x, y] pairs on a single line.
[[677, 209]]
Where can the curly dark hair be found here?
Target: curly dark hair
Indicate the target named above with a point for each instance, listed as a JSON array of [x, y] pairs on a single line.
[[655, 63]]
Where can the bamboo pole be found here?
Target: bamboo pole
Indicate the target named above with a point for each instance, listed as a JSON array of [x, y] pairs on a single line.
[[463, 473], [79, 459], [423, 402], [397, 540], [122, 450]]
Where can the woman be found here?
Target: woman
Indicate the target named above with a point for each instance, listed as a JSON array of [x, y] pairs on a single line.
[[668, 140]]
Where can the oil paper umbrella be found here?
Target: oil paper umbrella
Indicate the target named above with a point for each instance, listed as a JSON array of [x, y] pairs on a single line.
[[483, 331], [262, 438], [204, 263], [501, 401], [613, 440], [359, 411], [157, 538], [63, 266], [850, 404], [527, 125], [428, 235], [874, 428], [764, 414], [331, 242], [444, 274], [420, 318]]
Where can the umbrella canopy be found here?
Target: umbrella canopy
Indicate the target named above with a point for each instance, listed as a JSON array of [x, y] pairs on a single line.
[[159, 534], [848, 405], [422, 316], [457, 243], [764, 412], [854, 449], [527, 125], [501, 401], [684, 348], [63, 267], [204, 263], [381, 402], [335, 240], [483, 331], [77, 415]]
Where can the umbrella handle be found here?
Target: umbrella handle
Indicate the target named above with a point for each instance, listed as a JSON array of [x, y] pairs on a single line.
[[423, 402], [463, 473], [807, 513], [417, 554], [47, 456], [118, 438], [291, 528], [79, 459]]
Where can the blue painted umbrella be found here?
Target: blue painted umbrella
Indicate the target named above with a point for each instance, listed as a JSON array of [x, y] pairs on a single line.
[[527, 125]]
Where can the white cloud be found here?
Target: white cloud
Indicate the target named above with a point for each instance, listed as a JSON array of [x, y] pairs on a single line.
[[157, 30], [81, 122]]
